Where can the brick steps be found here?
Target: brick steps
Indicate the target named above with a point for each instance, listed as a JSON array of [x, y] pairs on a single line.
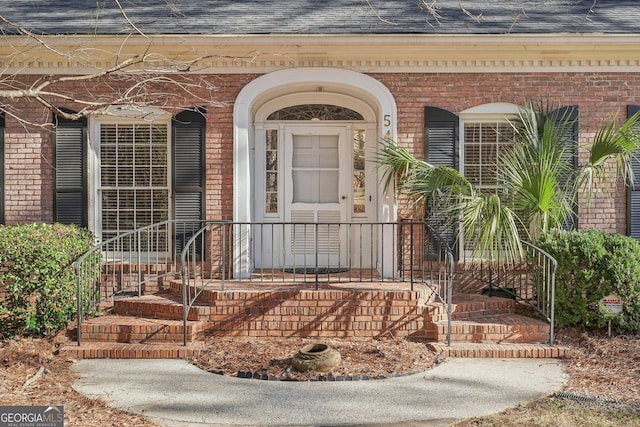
[[113, 350], [480, 319], [159, 306], [482, 326], [493, 328], [127, 329], [472, 306], [499, 351]]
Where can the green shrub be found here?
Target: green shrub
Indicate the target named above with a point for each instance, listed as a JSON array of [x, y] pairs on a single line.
[[591, 265], [37, 271]]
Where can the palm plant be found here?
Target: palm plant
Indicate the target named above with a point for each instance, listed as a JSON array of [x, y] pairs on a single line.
[[538, 186]]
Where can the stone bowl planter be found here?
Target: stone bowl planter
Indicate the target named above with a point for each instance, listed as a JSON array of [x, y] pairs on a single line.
[[316, 357]]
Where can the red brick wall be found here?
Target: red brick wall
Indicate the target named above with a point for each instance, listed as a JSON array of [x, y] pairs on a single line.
[[29, 153], [28, 167], [598, 96]]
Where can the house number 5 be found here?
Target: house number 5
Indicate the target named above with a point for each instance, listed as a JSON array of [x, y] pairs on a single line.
[[387, 124]]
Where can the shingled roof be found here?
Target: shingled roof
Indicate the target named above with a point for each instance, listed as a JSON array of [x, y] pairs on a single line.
[[238, 17]]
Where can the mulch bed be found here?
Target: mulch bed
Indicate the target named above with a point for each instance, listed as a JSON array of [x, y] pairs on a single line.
[[605, 370]]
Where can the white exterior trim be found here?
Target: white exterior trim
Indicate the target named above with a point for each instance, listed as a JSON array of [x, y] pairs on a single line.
[[491, 109], [392, 53], [118, 116], [289, 82], [490, 112]]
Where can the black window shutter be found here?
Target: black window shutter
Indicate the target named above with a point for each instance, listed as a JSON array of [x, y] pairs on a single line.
[[441, 139], [570, 156], [70, 194], [188, 173], [633, 190]]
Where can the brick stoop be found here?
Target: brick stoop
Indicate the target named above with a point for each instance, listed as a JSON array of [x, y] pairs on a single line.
[[499, 351], [162, 305], [114, 350], [499, 328], [138, 330], [151, 326], [479, 319]]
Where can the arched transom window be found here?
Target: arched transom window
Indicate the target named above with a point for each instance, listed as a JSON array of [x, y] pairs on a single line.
[[315, 112]]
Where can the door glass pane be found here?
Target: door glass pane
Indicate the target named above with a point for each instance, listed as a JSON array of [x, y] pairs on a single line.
[[315, 112], [315, 186], [315, 171], [328, 155], [328, 186], [271, 168], [358, 171]]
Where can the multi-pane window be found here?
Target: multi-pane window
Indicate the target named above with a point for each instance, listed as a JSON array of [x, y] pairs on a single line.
[[358, 171], [134, 181], [484, 143], [315, 168], [315, 112], [271, 167]]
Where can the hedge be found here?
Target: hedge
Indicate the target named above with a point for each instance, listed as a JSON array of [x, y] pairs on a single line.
[[37, 272], [591, 265]]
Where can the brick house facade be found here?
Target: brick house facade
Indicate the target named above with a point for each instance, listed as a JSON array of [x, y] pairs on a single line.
[[28, 154], [388, 77]]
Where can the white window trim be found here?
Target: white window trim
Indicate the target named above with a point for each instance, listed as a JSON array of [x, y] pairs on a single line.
[[485, 113], [121, 116]]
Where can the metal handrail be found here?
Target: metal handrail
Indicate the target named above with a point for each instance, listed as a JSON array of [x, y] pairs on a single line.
[[122, 265], [530, 281], [115, 266], [546, 284], [208, 257]]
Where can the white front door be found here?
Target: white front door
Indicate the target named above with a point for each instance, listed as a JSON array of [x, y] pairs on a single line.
[[317, 166]]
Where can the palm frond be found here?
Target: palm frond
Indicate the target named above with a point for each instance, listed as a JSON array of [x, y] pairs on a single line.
[[491, 227], [416, 177], [612, 142], [534, 172]]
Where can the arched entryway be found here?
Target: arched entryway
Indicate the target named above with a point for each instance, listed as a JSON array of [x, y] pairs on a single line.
[[302, 141]]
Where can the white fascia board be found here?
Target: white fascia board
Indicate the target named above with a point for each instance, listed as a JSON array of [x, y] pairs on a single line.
[[222, 54]]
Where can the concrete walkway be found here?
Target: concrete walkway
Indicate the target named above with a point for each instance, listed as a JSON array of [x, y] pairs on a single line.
[[176, 393]]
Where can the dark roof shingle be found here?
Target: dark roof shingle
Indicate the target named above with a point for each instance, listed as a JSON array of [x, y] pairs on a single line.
[[231, 17]]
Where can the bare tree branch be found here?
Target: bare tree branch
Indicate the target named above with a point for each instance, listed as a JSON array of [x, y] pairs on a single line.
[[124, 14], [32, 36], [591, 10], [378, 14], [476, 18], [134, 77], [515, 20], [432, 8]]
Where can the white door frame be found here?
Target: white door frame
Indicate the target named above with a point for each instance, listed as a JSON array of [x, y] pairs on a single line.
[[290, 81]]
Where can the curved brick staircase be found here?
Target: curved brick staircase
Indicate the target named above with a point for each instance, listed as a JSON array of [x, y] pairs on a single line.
[[151, 326]]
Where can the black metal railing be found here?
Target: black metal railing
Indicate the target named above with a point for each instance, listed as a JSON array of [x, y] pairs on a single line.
[[315, 254], [530, 281], [127, 264]]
